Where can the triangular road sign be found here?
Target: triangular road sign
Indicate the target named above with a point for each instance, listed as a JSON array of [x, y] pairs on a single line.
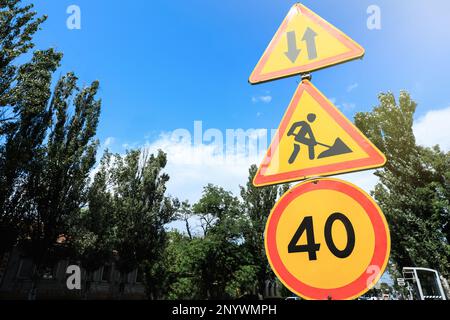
[[303, 43], [315, 139]]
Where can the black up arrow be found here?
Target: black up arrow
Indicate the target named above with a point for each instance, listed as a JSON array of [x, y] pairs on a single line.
[[310, 38], [292, 52]]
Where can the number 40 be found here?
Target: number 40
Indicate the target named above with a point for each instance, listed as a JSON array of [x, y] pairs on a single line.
[[312, 247]]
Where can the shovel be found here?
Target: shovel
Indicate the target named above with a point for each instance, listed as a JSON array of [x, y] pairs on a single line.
[[338, 148]]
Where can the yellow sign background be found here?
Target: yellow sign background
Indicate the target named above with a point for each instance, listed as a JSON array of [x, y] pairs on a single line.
[[327, 275], [326, 46], [329, 125], [326, 130], [327, 271]]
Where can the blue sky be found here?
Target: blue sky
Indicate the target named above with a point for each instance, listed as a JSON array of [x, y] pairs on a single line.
[[164, 64]]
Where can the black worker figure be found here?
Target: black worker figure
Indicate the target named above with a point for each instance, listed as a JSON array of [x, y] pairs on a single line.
[[304, 136]]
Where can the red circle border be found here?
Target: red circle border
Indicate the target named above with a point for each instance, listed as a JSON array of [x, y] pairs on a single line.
[[381, 231]]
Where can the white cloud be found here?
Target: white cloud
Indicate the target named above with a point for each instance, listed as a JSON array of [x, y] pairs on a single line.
[[366, 180], [191, 167], [263, 99], [109, 141], [352, 87], [131, 145], [434, 128], [346, 106]]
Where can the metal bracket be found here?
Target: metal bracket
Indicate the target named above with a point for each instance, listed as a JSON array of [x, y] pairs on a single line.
[[306, 76]]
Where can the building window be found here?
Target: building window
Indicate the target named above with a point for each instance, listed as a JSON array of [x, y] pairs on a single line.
[[106, 273]]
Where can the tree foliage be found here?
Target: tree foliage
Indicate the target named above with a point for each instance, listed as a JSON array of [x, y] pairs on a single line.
[[221, 256], [141, 207], [126, 215], [93, 229], [47, 143], [18, 24], [225, 257], [57, 184], [414, 186], [258, 203]]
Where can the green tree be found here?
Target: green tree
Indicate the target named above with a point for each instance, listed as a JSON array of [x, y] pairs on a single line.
[[45, 155], [141, 210], [221, 254], [258, 203], [24, 137], [243, 281], [184, 214], [54, 188], [18, 24], [92, 232], [414, 188], [171, 277]]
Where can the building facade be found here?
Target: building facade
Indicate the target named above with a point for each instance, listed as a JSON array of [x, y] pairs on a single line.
[[16, 272]]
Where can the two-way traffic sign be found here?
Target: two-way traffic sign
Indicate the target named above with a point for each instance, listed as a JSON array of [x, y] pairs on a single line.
[[304, 42]]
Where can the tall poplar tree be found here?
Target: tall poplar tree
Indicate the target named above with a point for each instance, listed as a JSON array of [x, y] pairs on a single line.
[[21, 100], [414, 186]]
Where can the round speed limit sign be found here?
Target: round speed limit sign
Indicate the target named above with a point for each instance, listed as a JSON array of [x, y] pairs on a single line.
[[327, 239]]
